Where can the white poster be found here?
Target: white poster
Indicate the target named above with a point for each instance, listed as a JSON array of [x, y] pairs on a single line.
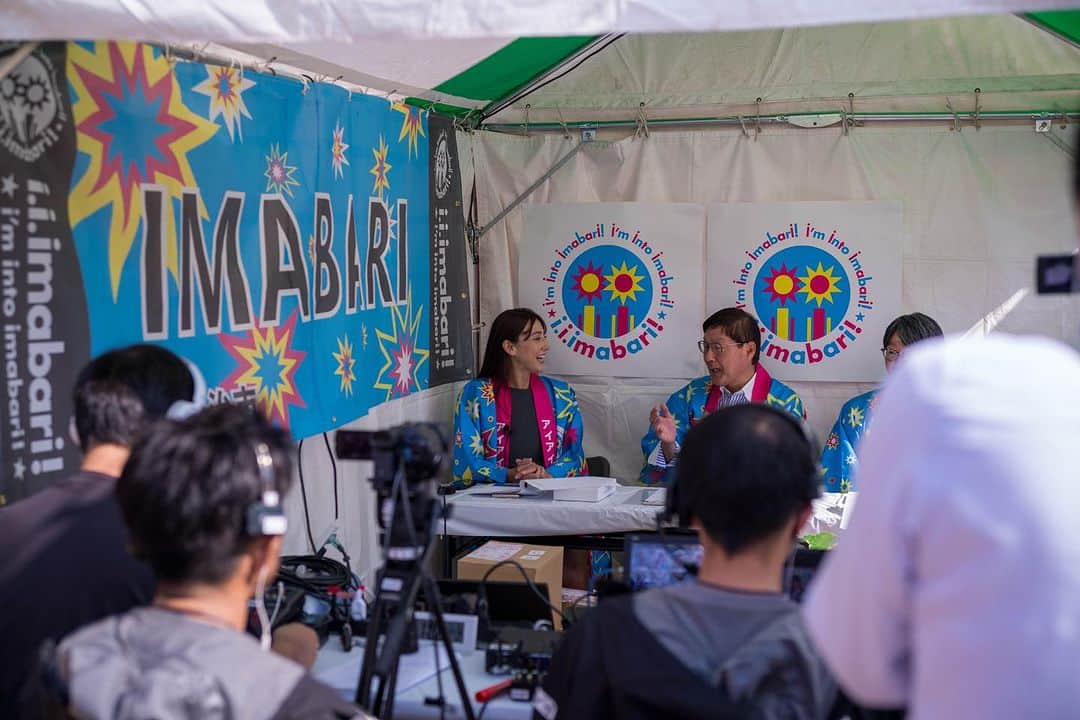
[[620, 285], [822, 278]]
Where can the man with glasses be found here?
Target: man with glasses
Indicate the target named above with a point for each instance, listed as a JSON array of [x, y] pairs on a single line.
[[839, 457], [730, 348]]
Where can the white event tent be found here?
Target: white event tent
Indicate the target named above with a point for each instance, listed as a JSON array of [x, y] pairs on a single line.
[[957, 109]]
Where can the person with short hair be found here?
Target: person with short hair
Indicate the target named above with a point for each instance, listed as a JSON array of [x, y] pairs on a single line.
[[730, 347], [513, 423], [65, 560], [728, 643], [839, 457], [195, 495]]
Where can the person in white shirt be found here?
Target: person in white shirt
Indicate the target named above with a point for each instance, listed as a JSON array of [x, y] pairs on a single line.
[[955, 591]]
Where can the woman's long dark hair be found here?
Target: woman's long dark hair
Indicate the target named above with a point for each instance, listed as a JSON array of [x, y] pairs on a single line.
[[508, 325]]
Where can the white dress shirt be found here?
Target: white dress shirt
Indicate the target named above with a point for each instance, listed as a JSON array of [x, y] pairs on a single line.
[[956, 589]]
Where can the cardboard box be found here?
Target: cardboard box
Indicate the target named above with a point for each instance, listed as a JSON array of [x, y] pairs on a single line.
[[542, 564]]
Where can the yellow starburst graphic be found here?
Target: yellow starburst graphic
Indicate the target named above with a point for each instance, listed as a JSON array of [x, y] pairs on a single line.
[[855, 417], [225, 87], [345, 362], [819, 284], [114, 83], [381, 168], [624, 283], [412, 126], [400, 375]]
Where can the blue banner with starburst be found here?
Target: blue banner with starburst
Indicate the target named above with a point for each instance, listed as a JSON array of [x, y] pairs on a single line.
[[272, 232]]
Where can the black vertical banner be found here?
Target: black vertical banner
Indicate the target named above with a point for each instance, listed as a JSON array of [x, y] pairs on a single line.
[[44, 331], [451, 323]]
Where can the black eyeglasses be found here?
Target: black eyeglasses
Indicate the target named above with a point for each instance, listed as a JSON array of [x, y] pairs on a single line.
[[717, 348], [890, 355]]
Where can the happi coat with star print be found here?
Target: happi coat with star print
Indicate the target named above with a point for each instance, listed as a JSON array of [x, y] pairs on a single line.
[[691, 403], [838, 457], [480, 434]]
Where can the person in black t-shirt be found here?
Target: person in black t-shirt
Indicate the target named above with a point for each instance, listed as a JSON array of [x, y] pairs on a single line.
[[512, 422], [65, 561]]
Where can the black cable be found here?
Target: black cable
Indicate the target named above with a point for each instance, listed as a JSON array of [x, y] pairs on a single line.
[[333, 464], [483, 708], [438, 679], [303, 491], [528, 581], [322, 573]]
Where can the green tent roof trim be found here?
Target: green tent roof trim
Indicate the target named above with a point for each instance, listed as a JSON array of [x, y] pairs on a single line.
[[1063, 23], [505, 71], [517, 64]]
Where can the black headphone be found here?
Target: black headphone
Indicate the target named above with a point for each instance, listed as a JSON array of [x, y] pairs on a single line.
[[676, 506], [265, 516]]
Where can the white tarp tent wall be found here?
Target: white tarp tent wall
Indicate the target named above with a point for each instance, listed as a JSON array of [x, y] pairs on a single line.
[[978, 203]]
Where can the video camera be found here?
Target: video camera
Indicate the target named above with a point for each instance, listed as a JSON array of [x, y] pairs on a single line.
[[408, 462]]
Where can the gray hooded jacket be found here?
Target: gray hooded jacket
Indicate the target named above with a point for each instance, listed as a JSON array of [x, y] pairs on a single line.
[[155, 663]]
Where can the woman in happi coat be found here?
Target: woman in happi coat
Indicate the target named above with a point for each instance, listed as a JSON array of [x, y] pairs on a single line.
[[839, 457], [511, 422]]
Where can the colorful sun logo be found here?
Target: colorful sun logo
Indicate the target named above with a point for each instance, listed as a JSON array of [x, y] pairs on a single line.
[[412, 126], [400, 375], [487, 391], [345, 361], [381, 168], [855, 417], [819, 284], [337, 151], [279, 173], [115, 82], [624, 282], [225, 87], [266, 361], [589, 282], [782, 284]]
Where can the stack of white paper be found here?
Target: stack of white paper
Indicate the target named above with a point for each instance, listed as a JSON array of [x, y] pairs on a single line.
[[580, 489]]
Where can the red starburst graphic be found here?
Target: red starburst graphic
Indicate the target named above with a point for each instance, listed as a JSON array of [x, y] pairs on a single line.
[[589, 282], [125, 83], [782, 284], [266, 361]]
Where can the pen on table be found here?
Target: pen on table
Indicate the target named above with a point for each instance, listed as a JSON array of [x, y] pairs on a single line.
[[490, 692]]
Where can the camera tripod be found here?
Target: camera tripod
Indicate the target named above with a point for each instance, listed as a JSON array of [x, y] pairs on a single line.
[[402, 577], [395, 598]]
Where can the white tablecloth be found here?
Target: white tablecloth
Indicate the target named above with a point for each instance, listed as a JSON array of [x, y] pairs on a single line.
[[540, 515]]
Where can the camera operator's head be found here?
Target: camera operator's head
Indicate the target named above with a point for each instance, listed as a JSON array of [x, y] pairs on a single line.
[[747, 476], [120, 390], [186, 493]]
